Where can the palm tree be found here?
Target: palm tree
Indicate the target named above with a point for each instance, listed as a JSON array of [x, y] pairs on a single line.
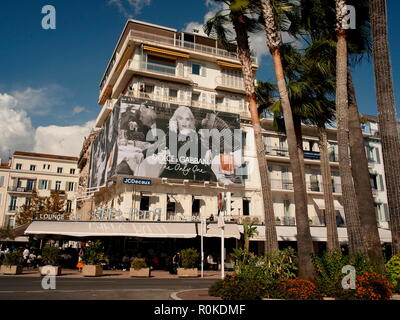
[[249, 231], [309, 92], [318, 22], [351, 209], [237, 15], [387, 114], [271, 14]]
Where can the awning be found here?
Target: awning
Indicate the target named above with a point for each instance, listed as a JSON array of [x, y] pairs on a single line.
[[289, 233], [111, 228], [167, 52], [320, 203], [230, 231], [229, 65]]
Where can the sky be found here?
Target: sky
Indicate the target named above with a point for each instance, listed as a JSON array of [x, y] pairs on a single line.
[[49, 79]]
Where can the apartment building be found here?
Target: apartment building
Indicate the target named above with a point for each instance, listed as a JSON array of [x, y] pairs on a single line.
[[27, 171], [161, 70]]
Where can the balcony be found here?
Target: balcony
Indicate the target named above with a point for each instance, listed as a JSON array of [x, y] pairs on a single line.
[[276, 152], [312, 155], [140, 37], [230, 84], [20, 189], [285, 221], [279, 184]]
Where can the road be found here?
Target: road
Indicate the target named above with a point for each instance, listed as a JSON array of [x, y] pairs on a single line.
[[15, 288]]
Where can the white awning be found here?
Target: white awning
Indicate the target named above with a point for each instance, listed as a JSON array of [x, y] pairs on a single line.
[[230, 231], [320, 203], [110, 228], [289, 233]]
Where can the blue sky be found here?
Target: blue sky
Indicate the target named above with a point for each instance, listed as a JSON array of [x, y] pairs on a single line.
[[54, 74]]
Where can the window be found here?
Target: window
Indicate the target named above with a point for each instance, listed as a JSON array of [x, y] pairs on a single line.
[[196, 207], [48, 167], [70, 186], [195, 97], [58, 185], [244, 138], [32, 167], [18, 166], [72, 171], [144, 203], [59, 170], [374, 181], [68, 209], [44, 166], [30, 184], [173, 93], [196, 68], [1, 181], [314, 185], [27, 201], [246, 207], [286, 208], [13, 203], [43, 184]]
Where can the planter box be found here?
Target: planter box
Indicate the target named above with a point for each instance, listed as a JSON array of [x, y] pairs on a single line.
[[92, 271], [57, 271], [11, 269], [144, 272], [182, 272]]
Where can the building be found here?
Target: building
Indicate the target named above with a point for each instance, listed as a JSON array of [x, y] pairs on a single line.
[[155, 70], [27, 171]]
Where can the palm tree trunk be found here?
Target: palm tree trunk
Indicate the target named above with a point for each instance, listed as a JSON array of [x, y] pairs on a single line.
[[299, 141], [387, 115], [271, 238], [348, 192], [362, 181], [330, 215], [304, 240]]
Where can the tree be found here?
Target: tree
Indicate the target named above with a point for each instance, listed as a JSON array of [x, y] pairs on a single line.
[[318, 21], [55, 205], [356, 241], [387, 114], [238, 15], [31, 210], [271, 14], [249, 231]]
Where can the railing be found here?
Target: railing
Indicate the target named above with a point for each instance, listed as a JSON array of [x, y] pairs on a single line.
[[274, 151], [312, 155], [285, 221], [281, 184], [317, 221], [20, 189], [12, 208], [230, 82]]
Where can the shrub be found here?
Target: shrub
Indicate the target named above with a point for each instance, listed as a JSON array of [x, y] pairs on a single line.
[[234, 288], [296, 289], [215, 289], [329, 272], [13, 258], [372, 286], [393, 271], [138, 263], [189, 258], [94, 254], [276, 266], [50, 255]]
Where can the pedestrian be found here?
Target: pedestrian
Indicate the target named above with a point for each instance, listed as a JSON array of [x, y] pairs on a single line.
[[80, 263], [25, 256], [176, 263]]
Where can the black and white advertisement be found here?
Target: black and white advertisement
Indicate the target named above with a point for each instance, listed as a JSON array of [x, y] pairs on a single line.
[[150, 139]]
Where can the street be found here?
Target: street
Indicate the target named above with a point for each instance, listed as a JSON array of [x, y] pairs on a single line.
[[29, 288]]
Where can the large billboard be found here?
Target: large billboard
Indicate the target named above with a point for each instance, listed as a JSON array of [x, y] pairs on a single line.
[[151, 139]]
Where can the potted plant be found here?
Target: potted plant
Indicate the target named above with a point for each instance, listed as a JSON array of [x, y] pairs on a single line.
[[12, 263], [189, 261], [139, 268], [50, 257], [93, 257]]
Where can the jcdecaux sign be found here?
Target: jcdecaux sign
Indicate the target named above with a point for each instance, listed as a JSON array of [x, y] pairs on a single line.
[[142, 182]]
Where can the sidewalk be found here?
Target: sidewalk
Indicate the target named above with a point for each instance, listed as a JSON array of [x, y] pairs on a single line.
[[114, 274]]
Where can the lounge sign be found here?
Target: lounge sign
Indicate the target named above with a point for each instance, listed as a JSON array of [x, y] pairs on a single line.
[[142, 182]]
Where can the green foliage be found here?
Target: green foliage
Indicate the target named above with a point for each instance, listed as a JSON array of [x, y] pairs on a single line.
[[234, 288], [216, 288], [329, 271], [138, 263], [7, 233], [393, 271], [371, 286], [276, 266], [189, 258], [94, 254], [50, 255], [13, 258]]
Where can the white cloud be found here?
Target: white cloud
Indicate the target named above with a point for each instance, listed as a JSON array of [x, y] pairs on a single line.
[[61, 140], [78, 109], [38, 101], [126, 8], [17, 132], [16, 127]]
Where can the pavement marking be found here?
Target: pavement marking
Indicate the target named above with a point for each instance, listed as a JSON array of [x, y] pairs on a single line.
[[87, 290]]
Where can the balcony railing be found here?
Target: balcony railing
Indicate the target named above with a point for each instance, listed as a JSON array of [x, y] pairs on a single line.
[[20, 189], [275, 151], [285, 221], [230, 82], [279, 184]]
